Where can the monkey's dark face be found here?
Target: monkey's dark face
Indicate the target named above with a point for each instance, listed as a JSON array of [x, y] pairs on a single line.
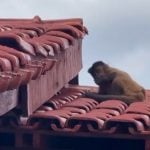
[[99, 72]]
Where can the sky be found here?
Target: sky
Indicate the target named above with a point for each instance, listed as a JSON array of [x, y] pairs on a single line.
[[119, 31]]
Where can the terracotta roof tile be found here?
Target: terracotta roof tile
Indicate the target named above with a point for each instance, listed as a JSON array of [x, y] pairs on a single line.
[[80, 114], [132, 122], [94, 120], [113, 104], [22, 40]]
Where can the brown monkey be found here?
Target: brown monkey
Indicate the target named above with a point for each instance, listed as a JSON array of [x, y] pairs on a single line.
[[114, 84]]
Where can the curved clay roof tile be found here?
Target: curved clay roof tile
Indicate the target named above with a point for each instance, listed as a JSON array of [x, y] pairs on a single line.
[[62, 43], [31, 27], [12, 58], [5, 64], [38, 49], [14, 41], [67, 29], [55, 46], [24, 58], [62, 34]]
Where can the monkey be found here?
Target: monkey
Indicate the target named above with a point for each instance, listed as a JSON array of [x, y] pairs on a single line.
[[114, 84]]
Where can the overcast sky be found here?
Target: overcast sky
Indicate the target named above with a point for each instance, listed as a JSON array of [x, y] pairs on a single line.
[[119, 30]]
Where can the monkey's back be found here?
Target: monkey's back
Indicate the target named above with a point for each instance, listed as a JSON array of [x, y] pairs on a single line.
[[129, 86]]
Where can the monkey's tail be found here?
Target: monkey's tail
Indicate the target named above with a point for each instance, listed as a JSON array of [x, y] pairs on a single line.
[[100, 98]]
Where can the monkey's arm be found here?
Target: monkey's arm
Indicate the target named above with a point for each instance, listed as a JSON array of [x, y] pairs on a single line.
[[100, 98]]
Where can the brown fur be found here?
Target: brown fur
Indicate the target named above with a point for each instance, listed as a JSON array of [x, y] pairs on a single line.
[[114, 84]]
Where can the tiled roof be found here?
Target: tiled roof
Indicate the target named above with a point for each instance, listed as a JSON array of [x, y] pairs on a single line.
[[30, 47], [68, 115], [69, 111], [37, 56]]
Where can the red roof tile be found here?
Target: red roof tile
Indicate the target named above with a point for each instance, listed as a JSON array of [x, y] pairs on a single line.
[[84, 114], [21, 39]]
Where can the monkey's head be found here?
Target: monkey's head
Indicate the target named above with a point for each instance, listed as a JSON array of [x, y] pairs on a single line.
[[100, 71]]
